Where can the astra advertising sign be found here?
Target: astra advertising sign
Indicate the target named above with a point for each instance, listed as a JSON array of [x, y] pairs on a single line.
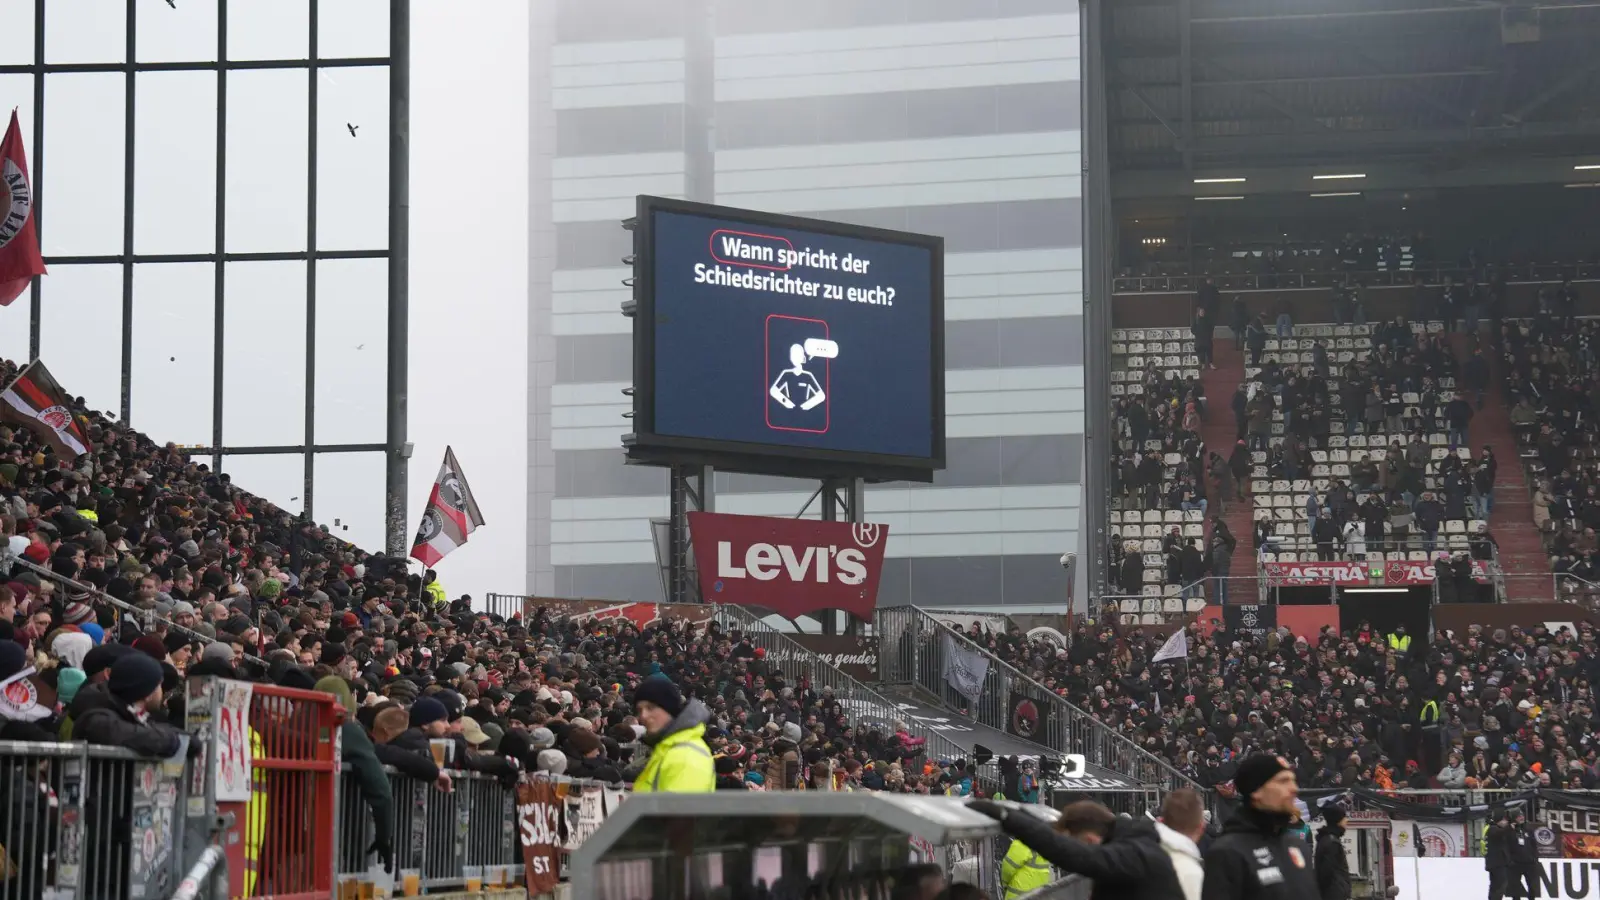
[[793, 567]]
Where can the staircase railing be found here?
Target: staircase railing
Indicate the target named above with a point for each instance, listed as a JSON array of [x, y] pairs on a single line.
[[796, 662], [912, 649]]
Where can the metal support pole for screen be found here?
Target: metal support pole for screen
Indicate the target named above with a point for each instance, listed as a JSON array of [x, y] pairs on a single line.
[[854, 490], [1097, 269], [691, 490]]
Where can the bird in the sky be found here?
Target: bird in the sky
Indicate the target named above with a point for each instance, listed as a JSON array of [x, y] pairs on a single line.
[[173, 3], [352, 128]]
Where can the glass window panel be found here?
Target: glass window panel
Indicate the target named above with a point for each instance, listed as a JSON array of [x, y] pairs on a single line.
[[174, 312], [185, 34], [267, 160], [268, 29], [278, 478], [352, 355], [18, 51], [353, 28], [14, 326], [349, 497], [175, 167], [84, 131], [264, 355], [353, 169], [81, 333], [84, 31]]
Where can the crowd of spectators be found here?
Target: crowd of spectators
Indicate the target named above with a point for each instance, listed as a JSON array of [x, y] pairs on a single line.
[[1552, 372], [1489, 708], [222, 583]]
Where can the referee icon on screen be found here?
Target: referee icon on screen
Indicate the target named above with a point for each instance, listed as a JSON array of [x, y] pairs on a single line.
[[797, 383]]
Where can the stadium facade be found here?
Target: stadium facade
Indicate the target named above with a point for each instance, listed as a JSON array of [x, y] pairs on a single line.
[[953, 117]]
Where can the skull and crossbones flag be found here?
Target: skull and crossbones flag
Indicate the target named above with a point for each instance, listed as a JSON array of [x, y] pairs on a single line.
[[451, 516]]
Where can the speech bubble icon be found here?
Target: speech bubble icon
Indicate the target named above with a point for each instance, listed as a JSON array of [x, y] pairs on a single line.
[[821, 347]]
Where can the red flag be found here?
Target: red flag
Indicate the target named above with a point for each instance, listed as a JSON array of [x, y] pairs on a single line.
[[19, 241], [452, 514]]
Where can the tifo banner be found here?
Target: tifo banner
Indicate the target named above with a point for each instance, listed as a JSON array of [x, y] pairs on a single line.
[[1249, 619], [793, 567], [851, 654], [539, 827], [1567, 829], [640, 614], [964, 667], [1028, 717]]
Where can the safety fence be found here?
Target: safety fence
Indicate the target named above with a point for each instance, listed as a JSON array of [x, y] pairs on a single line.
[[1434, 275], [917, 649]]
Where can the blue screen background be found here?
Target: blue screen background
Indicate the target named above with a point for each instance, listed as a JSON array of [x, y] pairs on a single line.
[[717, 353]]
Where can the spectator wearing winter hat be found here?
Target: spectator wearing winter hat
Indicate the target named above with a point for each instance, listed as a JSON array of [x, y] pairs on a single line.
[[586, 757], [117, 712], [680, 761], [1259, 835]]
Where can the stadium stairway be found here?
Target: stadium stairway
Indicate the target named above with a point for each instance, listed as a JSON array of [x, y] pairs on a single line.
[[1220, 433], [1522, 554]]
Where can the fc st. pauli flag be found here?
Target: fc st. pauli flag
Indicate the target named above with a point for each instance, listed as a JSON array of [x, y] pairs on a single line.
[[19, 238], [36, 402], [451, 516]]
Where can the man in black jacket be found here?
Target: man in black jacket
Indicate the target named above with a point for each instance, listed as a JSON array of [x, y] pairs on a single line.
[[1525, 869], [1333, 867], [1256, 858], [1497, 854], [1127, 864], [117, 711]]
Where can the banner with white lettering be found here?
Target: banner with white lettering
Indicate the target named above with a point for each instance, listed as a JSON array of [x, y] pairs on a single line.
[[1428, 878], [965, 668], [1567, 825], [539, 829]]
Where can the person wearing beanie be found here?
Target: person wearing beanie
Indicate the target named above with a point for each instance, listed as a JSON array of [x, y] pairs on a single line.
[[785, 767], [680, 761], [1332, 866], [116, 712], [552, 762], [152, 646], [1256, 857], [586, 757], [357, 750], [1121, 855]]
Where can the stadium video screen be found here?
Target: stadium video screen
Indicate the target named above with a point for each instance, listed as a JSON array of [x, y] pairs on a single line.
[[786, 345]]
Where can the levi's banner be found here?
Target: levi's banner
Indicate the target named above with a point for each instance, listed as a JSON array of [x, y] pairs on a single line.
[[793, 567], [36, 402]]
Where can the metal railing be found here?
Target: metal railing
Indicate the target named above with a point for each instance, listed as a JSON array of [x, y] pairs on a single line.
[[80, 820], [865, 704], [1536, 273], [1173, 607], [911, 650]]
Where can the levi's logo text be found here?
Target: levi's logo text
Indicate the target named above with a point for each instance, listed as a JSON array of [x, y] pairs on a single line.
[[790, 566]]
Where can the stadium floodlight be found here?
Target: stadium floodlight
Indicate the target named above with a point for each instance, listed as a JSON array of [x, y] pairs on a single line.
[[1585, 184], [1339, 176], [1337, 194], [1227, 197], [1586, 167], [1235, 180]]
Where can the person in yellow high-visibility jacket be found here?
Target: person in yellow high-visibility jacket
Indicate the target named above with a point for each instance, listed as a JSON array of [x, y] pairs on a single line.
[[680, 761], [433, 589], [1023, 870], [255, 817]]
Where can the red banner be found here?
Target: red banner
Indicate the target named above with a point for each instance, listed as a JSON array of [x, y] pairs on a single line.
[[539, 830], [793, 567], [1417, 572], [1313, 573]]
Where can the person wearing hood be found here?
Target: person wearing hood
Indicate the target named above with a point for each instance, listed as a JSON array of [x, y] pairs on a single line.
[[1333, 867], [1256, 858], [1121, 855], [1180, 827], [356, 749], [680, 761]]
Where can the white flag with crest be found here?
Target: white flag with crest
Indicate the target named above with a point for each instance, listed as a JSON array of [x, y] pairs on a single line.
[[1176, 647]]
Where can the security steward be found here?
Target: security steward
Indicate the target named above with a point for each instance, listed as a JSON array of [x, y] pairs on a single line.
[[1256, 858], [1525, 869], [1022, 870], [1497, 854], [680, 761], [1122, 856]]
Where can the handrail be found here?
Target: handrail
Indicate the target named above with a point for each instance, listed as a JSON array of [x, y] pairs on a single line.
[[1525, 273], [121, 605], [1074, 721], [794, 656]]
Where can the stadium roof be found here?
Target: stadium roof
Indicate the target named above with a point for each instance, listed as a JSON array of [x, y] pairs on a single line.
[[1431, 87]]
